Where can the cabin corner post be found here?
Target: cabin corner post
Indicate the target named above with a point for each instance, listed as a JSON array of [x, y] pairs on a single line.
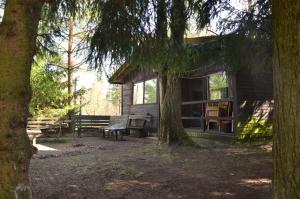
[[235, 105], [121, 98]]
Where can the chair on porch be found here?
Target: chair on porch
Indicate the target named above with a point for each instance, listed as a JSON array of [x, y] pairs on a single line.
[[212, 111], [225, 109]]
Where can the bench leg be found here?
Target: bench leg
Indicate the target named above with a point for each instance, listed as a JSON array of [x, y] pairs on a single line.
[[98, 132], [34, 141], [121, 135], [103, 133], [78, 133], [59, 132]]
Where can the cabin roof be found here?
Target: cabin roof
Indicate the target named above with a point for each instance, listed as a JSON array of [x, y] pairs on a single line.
[[198, 40], [118, 77]]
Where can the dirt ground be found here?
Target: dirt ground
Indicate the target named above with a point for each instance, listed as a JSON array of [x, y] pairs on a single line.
[[94, 168]]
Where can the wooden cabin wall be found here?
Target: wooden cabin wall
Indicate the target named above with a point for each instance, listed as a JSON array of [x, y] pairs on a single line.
[[254, 95], [254, 88], [127, 97]]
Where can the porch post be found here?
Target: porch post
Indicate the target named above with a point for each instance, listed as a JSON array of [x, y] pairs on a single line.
[[235, 103]]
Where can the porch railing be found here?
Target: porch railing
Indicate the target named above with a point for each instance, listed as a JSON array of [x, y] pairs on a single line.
[[230, 99], [203, 118]]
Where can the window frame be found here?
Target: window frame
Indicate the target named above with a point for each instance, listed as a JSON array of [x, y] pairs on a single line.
[[133, 86], [208, 85], [144, 83]]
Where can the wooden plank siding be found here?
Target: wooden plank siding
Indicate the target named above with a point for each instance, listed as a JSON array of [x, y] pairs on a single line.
[[254, 96], [254, 93], [127, 98]]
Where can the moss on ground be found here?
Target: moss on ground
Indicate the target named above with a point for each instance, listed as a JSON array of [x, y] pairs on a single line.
[[254, 129]]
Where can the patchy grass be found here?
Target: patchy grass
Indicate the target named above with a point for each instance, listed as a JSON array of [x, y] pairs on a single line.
[[160, 150], [255, 129]]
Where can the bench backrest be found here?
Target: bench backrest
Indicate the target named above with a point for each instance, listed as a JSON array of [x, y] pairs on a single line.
[[41, 122], [139, 120], [90, 121], [119, 120]]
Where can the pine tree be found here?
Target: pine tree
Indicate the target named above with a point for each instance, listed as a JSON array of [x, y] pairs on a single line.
[[286, 125], [18, 38]]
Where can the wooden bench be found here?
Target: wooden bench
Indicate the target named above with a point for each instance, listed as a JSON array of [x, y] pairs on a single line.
[[44, 126], [138, 124], [89, 123], [120, 124], [117, 126]]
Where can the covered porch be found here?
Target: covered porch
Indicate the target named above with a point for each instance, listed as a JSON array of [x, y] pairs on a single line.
[[208, 104]]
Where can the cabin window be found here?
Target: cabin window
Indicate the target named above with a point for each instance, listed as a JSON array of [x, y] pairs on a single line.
[[138, 92], [145, 92], [218, 86], [150, 91]]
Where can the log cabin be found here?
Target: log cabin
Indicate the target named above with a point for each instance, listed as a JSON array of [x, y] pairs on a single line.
[[237, 104]]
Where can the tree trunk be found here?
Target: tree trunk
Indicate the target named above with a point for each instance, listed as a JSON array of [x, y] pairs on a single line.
[[162, 88], [171, 128], [250, 6], [70, 68], [286, 69], [18, 32]]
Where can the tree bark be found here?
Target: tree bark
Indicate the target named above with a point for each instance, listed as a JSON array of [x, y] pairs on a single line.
[[70, 68], [171, 128], [286, 69], [18, 32], [250, 6]]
